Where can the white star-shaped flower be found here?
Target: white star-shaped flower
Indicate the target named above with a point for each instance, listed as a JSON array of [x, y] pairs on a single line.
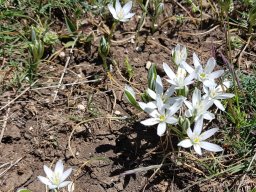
[[197, 139], [198, 107], [179, 80], [121, 13], [216, 93], [165, 96], [56, 179], [161, 115]]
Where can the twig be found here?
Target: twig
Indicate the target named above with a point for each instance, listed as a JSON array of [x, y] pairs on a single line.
[[23, 92], [193, 19], [5, 122], [8, 168], [67, 84], [65, 68], [242, 52], [248, 168], [199, 34]]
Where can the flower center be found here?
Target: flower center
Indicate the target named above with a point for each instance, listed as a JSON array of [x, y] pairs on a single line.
[[213, 94], [120, 15], [56, 179], [162, 118], [203, 75], [196, 140]]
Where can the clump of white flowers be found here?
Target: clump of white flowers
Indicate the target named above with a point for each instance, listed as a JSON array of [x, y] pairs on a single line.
[[56, 179], [192, 95]]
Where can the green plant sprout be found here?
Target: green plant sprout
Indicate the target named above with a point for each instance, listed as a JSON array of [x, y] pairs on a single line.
[[120, 14], [36, 50], [158, 9]]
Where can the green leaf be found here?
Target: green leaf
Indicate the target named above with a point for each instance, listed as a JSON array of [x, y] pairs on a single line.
[[70, 25], [152, 77], [131, 99], [23, 190], [69, 44], [129, 68]]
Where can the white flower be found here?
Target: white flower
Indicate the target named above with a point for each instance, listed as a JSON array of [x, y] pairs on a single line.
[[165, 96], [179, 54], [56, 179], [216, 93], [206, 75], [121, 13], [161, 115], [197, 140], [180, 81], [198, 108]]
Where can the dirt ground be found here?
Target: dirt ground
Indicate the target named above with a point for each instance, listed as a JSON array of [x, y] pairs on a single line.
[[90, 125]]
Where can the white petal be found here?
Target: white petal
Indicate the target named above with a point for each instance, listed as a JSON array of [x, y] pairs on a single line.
[[112, 11], [210, 65], [118, 6], [44, 180], [216, 74], [123, 19], [173, 82], [175, 107], [196, 98], [169, 92], [208, 115], [208, 134], [151, 93], [209, 83], [190, 133], [189, 79], [65, 175], [198, 126], [168, 71], [210, 146], [161, 128], [52, 186], [160, 104], [171, 120], [197, 149], [189, 105], [147, 107], [59, 167], [186, 143], [49, 173], [127, 7], [196, 61], [225, 96], [154, 114], [187, 67], [207, 104], [188, 113], [64, 184], [150, 121], [159, 85], [219, 105], [128, 16]]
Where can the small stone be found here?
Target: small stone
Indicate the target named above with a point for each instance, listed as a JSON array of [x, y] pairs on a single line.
[[81, 107], [148, 64], [117, 113], [12, 131], [62, 54]]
